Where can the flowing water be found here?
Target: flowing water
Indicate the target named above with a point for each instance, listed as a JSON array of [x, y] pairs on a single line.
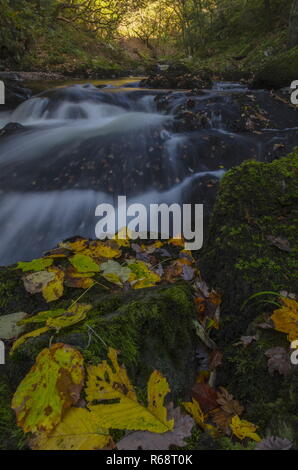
[[79, 145]]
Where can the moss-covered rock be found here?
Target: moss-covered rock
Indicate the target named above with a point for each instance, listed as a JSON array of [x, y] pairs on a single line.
[[152, 328], [279, 71], [257, 203], [11, 437]]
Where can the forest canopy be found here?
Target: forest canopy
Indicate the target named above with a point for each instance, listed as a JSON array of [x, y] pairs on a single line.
[[30, 28]]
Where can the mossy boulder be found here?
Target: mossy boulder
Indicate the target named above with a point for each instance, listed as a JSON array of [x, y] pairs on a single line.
[[278, 72], [252, 247], [152, 328], [257, 207]]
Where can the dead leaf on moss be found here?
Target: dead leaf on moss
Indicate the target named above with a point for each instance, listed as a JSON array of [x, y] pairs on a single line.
[[279, 360], [281, 243], [146, 440], [35, 282]]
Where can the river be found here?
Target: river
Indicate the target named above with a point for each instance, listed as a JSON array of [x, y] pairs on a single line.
[[80, 144]]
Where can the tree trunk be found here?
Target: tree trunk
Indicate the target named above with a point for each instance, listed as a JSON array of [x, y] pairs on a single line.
[[293, 25]]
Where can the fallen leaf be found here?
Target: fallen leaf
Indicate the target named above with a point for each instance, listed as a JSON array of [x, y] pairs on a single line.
[[79, 280], [229, 407], [53, 384], [34, 265], [107, 249], [215, 359], [243, 429], [73, 315], [188, 273], [84, 263], [205, 395], [10, 325], [274, 443], [146, 440], [279, 242], [77, 245], [228, 403], [246, 341], [194, 409], [77, 431], [279, 360], [285, 319], [31, 334], [112, 383], [35, 282], [41, 317], [54, 289], [113, 272], [173, 272], [142, 276]]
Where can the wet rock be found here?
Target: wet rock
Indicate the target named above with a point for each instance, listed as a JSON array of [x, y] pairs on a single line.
[[177, 77], [278, 71], [255, 200], [152, 328], [15, 94], [11, 128]]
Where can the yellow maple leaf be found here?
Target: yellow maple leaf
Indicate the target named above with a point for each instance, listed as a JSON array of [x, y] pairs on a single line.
[[107, 383], [53, 384], [54, 289], [78, 430], [243, 429], [285, 319]]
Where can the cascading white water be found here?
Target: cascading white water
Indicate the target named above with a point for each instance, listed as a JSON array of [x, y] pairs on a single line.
[[80, 146]]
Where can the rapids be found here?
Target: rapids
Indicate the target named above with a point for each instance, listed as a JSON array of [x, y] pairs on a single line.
[[80, 145]]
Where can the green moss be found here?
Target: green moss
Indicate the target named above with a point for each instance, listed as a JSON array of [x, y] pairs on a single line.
[[11, 437], [152, 329], [13, 297], [278, 71], [256, 201]]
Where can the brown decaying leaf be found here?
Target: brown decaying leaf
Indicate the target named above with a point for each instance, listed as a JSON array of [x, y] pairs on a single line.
[[281, 243], [205, 395], [146, 440], [173, 272], [215, 359], [229, 407], [279, 360]]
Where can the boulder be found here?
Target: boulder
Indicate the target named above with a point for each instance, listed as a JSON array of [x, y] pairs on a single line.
[[252, 247], [152, 328], [278, 71]]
